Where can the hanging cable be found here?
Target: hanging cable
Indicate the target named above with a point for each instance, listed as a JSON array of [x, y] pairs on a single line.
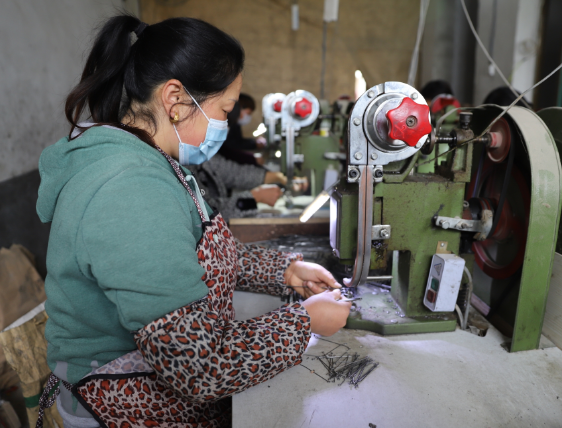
[[488, 55], [424, 5], [468, 297], [493, 121]]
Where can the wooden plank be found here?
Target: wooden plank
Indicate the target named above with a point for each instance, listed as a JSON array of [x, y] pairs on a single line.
[[552, 327]]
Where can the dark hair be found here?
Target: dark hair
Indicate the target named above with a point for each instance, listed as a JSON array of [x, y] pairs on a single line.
[[203, 58], [435, 87], [503, 96], [246, 101]]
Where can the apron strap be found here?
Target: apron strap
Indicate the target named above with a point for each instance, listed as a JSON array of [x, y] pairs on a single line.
[[198, 198], [47, 400]]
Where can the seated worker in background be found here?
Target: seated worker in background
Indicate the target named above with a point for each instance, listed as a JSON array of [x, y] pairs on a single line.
[[502, 96], [219, 176], [434, 88], [236, 147]]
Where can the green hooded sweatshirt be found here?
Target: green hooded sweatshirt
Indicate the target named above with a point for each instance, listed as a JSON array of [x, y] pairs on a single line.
[[121, 250]]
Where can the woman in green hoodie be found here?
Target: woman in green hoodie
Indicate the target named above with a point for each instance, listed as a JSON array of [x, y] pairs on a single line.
[[141, 271]]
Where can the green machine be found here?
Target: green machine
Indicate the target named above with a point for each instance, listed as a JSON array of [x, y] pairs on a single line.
[[444, 118], [303, 152], [316, 130], [552, 117], [494, 203]]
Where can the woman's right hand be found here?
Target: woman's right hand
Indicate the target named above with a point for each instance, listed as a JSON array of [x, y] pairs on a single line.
[[327, 314]]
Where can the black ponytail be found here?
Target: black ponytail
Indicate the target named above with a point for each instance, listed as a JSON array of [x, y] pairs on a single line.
[[202, 57]]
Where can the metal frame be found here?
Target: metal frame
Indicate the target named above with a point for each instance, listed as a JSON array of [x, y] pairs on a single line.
[[367, 154], [290, 126], [544, 219], [364, 223], [270, 116]]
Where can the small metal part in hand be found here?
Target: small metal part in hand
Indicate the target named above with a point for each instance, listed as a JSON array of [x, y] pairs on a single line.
[[352, 299]]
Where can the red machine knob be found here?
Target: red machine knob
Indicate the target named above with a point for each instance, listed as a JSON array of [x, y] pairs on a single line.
[[408, 122], [441, 101], [277, 106], [303, 108]]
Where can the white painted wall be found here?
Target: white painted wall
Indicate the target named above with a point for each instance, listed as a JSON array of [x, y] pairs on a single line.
[[42, 51]]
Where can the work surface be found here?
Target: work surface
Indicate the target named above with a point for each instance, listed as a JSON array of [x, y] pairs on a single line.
[[433, 380]]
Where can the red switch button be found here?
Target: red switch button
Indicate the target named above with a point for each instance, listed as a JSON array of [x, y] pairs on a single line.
[[408, 122], [431, 296], [277, 105]]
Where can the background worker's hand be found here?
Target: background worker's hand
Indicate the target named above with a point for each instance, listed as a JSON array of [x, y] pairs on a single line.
[[300, 184], [267, 193], [275, 178], [327, 314], [309, 279], [261, 142]]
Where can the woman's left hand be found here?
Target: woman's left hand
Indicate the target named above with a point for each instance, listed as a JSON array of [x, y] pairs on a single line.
[[309, 279]]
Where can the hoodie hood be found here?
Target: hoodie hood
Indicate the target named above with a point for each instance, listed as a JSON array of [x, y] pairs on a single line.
[[97, 149]]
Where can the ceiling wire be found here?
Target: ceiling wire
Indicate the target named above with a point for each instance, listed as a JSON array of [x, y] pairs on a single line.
[[489, 57]]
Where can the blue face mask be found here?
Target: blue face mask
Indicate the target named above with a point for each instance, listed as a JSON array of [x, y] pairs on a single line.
[[217, 130]]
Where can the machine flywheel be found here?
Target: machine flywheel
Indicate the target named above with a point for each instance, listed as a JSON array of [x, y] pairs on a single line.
[[502, 253]]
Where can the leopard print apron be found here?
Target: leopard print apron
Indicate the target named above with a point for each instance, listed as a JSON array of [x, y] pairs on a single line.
[[191, 359]]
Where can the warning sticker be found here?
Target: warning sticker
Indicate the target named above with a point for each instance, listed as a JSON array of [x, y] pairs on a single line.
[[438, 267]]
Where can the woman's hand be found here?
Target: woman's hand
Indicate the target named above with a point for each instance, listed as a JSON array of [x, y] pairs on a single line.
[[300, 184], [267, 194], [261, 142], [309, 279], [275, 178], [327, 315]]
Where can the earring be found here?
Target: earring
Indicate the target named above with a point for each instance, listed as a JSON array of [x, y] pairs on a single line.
[[176, 118]]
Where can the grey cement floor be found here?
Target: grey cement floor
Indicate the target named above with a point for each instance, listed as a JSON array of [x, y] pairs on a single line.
[[430, 380]]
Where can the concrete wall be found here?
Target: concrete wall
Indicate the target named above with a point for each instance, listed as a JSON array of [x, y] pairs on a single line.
[[515, 44], [450, 51], [448, 47], [374, 36], [42, 45]]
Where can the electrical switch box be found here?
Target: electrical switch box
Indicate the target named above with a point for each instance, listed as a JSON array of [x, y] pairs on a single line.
[[443, 284]]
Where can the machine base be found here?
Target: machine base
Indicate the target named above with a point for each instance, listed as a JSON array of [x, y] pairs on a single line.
[[379, 312]]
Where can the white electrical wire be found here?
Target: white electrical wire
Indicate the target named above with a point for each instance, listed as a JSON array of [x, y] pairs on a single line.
[[459, 314], [520, 97], [488, 55], [493, 121], [468, 297], [424, 5]]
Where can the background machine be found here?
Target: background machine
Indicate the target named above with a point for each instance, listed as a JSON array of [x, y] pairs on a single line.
[[298, 139], [490, 210]]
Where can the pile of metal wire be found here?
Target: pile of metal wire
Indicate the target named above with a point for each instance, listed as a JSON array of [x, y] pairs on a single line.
[[345, 367]]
